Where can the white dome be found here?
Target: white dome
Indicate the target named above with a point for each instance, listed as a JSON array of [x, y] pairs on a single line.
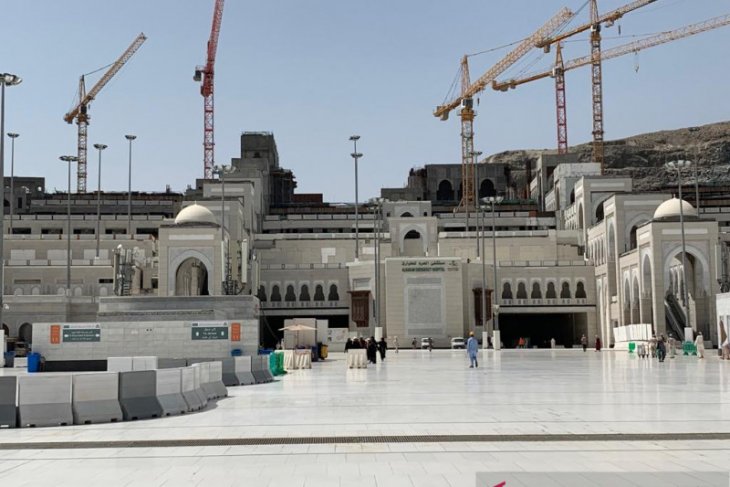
[[670, 208], [195, 214]]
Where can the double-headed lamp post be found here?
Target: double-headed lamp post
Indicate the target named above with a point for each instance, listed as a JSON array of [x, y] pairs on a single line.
[[130, 138], [356, 155], [69, 160], [495, 299], [9, 80], [12, 136], [99, 147], [678, 166]]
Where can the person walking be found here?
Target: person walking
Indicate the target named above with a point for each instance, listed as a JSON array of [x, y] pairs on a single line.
[[700, 344], [472, 349], [430, 344], [372, 351], [395, 343], [382, 347], [652, 346], [552, 343], [521, 343], [584, 342], [598, 343], [413, 343], [661, 348]]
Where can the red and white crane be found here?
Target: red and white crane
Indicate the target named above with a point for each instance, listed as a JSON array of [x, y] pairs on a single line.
[[205, 75]]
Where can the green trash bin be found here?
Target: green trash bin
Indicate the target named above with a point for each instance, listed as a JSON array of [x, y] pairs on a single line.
[[276, 363], [632, 347]]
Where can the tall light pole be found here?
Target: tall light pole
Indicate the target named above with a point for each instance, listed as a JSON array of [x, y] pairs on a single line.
[[377, 229], [694, 170], [99, 147], [678, 166], [69, 160], [475, 157], [495, 301], [10, 80], [356, 155], [130, 138], [484, 276], [12, 136], [227, 281]]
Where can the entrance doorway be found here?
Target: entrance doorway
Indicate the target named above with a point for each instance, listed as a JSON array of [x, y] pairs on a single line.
[[539, 328]]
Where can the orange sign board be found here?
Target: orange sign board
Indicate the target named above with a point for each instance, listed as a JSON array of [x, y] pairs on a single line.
[[55, 334], [235, 332]]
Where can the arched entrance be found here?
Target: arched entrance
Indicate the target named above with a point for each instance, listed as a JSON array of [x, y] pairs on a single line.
[[25, 332], [486, 189], [445, 191], [413, 244], [191, 278]]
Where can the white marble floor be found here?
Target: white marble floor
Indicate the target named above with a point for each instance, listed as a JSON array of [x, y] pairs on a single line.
[[412, 393]]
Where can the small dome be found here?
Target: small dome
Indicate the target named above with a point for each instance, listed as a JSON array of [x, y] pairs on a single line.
[[670, 209], [195, 214]]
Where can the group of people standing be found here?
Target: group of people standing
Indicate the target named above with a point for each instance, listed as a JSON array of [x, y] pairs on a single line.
[[584, 343], [372, 347]]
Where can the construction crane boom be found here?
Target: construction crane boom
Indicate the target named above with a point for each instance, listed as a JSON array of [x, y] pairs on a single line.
[[608, 19], [469, 89], [631, 47], [80, 112], [206, 75], [560, 68]]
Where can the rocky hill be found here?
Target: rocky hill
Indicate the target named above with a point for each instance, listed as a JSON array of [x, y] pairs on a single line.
[[642, 156]]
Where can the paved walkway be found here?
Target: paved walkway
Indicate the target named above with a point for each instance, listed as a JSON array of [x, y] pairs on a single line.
[[286, 433]]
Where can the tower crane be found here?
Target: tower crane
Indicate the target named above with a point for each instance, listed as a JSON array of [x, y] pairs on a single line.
[[468, 90], [205, 75], [80, 112], [558, 72]]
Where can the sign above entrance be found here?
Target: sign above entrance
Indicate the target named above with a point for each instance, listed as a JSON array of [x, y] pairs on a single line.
[[429, 265], [81, 332]]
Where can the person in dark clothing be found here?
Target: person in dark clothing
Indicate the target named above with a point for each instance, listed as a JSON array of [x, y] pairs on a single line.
[[363, 343], [382, 347], [348, 344], [598, 343], [372, 350], [661, 348]]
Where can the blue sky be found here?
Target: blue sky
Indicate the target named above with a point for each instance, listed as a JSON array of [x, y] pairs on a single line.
[[314, 72]]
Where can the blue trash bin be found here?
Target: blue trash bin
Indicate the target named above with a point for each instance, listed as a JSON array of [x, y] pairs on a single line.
[[34, 362]]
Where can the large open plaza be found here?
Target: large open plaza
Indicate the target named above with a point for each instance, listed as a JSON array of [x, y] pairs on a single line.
[[417, 419]]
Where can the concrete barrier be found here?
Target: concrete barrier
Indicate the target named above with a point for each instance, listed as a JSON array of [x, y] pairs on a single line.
[[138, 395], [216, 379], [171, 363], [206, 383], [119, 364], [169, 391], [257, 371], [8, 400], [266, 369], [198, 387], [229, 372], [187, 386], [44, 400], [95, 398], [242, 368], [144, 363]]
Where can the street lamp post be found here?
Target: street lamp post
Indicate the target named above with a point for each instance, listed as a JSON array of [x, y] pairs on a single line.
[[484, 274], [377, 229], [10, 80], [12, 136], [475, 157], [69, 160], [99, 147], [227, 281], [130, 138], [495, 301], [678, 166], [356, 155]]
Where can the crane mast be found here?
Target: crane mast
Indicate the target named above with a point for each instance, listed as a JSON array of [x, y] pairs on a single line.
[[596, 85], [205, 74], [80, 112], [469, 89]]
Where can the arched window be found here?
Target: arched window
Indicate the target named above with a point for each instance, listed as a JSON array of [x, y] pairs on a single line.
[[550, 293], [565, 290], [290, 296], [632, 238], [506, 291], [318, 293], [599, 213], [406, 214], [445, 191], [333, 294], [580, 291], [521, 291], [572, 196], [413, 234], [486, 189], [261, 294], [304, 294], [536, 292], [275, 293], [25, 332]]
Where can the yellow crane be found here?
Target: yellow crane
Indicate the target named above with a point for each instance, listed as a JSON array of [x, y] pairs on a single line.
[[468, 90], [80, 112], [558, 71]]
